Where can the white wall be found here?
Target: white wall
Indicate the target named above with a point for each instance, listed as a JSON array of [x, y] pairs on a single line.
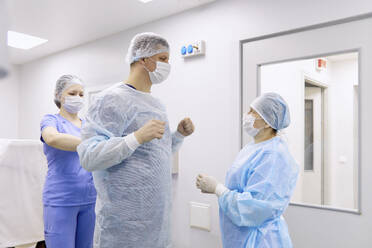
[[206, 88], [344, 75], [9, 101]]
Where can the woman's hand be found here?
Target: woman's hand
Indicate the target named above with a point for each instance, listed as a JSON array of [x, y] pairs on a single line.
[[207, 184]]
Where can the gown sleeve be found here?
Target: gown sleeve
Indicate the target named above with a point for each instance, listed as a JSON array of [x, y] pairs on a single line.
[[177, 140], [102, 143]]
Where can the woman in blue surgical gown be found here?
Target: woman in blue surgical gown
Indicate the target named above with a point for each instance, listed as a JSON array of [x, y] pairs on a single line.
[[260, 182]]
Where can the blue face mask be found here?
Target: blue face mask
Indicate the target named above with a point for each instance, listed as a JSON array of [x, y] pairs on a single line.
[[73, 104]]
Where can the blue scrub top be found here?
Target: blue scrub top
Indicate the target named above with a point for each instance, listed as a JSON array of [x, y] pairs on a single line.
[[67, 183]]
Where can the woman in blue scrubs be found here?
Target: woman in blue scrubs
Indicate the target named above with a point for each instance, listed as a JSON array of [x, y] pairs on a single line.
[[69, 195], [260, 182]]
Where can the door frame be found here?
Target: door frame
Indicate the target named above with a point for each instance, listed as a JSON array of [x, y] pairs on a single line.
[[323, 89]]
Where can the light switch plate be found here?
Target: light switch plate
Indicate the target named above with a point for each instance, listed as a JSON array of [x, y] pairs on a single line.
[[200, 216]]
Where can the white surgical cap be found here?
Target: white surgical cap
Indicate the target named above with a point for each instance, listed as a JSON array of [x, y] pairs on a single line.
[[273, 109], [145, 45], [63, 83]]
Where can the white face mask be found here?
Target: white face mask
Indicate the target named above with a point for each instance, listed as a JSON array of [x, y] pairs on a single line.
[[161, 72], [73, 104], [248, 122]]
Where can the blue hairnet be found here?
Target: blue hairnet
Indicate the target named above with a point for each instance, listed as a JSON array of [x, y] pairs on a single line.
[[145, 45], [273, 109], [63, 83]]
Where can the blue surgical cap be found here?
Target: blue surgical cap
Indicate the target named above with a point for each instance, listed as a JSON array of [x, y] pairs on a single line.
[[273, 109]]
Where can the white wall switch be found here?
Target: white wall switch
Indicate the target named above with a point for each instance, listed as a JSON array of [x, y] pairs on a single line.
[[200, 216], [342, 160]]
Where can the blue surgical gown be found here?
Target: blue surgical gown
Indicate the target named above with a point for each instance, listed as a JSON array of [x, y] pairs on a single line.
[[133, 187], [261, 182]]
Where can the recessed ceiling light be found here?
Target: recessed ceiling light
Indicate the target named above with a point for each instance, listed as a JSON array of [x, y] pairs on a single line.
[[145, 1], [23, 41]]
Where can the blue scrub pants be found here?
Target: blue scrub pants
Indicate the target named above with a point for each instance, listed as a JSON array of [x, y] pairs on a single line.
[[69, 227]]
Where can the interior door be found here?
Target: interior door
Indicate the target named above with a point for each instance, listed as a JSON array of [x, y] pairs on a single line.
[[312, 186]]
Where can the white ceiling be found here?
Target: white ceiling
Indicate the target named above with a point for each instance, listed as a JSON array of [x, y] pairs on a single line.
[[69, 23]]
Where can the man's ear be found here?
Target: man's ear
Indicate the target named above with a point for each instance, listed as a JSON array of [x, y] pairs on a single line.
[[142, 61]]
